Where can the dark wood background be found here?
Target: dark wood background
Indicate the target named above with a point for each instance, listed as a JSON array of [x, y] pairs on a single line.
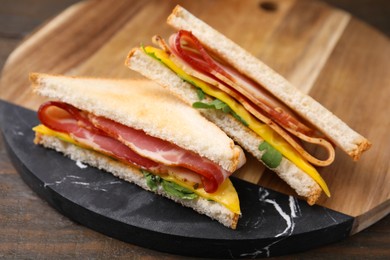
[[31, 229]]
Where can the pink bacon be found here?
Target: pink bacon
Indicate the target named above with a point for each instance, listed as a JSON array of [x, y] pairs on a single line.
[[185, 47], [128, 144]]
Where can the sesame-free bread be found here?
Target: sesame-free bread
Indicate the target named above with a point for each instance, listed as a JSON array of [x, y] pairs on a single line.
[[329, 124], [145, 106]]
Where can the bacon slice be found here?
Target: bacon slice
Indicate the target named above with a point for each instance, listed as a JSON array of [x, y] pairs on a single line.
[[185, 49], [60, 117], [162, 151], [130, 145]]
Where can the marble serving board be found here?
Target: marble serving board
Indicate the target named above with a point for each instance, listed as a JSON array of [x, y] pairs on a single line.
[[271, 224]]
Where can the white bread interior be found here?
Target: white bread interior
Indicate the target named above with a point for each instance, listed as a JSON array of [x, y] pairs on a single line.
[[145, 106], [303, 185], [131, 174], [328, 123]]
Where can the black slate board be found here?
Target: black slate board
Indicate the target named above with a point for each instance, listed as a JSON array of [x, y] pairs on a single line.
[[271, 224]]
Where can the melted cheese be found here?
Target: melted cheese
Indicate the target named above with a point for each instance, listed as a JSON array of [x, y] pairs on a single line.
[[225, 195], [263, 130]]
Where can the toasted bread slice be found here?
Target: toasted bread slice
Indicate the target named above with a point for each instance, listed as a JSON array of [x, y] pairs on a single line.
[[145, 106], [329, 124]]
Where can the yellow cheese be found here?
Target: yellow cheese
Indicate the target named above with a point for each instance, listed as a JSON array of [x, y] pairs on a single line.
[[225, 195], [263, 130], [47, 131]]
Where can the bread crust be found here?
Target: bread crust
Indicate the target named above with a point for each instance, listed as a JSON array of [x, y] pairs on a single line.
[[334, 128], [133, 175], [362, 146]]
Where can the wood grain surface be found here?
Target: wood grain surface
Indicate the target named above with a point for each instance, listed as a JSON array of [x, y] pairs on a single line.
[[326, 52]]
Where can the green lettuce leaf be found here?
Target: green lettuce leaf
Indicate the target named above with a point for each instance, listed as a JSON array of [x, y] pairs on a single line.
[[171, 188], [271, 157], [220, 105], [153, 181], [178, 191]]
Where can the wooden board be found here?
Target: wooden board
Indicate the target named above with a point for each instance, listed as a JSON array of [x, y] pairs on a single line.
[[340, 61]]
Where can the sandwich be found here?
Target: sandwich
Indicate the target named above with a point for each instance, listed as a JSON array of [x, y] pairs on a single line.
[[143, 134], [258, 108]]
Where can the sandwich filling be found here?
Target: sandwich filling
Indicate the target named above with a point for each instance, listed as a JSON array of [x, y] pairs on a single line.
[[242, 98], [188, 53], [134, 147]]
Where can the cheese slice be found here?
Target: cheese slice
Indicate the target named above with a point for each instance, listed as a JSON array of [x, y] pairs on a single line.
[[263, 130], [226, 194]]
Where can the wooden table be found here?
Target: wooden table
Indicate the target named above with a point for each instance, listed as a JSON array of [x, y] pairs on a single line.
[[32, 229]]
